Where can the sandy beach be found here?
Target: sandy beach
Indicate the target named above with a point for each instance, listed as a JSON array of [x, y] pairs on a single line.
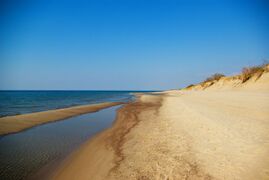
[[134, 90], [17, 123], [219, 132]]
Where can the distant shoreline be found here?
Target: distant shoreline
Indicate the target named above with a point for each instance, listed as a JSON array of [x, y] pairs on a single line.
[[23, 102], [17, 123]]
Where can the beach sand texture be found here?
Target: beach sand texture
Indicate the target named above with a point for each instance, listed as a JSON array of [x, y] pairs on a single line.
[[217, 133], [13, 124]]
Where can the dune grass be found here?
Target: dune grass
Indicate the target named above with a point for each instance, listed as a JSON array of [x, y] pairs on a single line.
[[246, 74], [189, 86], [249, 72], [214, 77]]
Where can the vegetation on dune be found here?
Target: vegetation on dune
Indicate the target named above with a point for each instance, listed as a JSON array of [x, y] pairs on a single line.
[[214, 77], [249, 72], [189, 86], [209, 81], [246, 74]]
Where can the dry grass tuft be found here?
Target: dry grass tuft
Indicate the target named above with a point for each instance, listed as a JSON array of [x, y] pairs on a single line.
[[189, 86], [246, 74], [206, 84], [214, 77], [249, 72], [209, 81]]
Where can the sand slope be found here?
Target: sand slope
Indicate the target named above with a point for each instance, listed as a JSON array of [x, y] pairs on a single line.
[[12, 124], [205, 134], [226, 131]]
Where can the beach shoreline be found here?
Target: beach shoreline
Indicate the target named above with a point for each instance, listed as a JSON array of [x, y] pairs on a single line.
[[17, 123], [108, 142], [181, 134]]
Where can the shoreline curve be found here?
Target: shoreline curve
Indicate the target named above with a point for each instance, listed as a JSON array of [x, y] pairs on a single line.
[[18, 123]]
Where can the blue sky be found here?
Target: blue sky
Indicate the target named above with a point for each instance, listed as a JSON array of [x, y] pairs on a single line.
[[128, 45]]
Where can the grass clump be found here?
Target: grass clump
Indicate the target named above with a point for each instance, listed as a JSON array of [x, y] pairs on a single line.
[[214, 77], [249, 72], [189, 86]]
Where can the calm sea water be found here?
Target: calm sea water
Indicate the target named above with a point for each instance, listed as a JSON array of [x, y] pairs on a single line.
[[21, 102]]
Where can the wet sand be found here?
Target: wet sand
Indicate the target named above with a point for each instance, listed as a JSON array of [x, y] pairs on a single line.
[[205, 134], [13, 124]]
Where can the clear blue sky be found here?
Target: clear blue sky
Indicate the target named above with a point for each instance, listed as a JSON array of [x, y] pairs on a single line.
[[128, 44]]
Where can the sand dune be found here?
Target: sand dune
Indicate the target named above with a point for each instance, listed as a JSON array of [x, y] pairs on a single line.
[[182, 134], [12, 124], [257, 81]]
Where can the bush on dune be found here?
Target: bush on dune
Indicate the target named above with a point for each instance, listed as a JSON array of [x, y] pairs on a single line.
[[246, 74], [189, 86], [209, 81], [249, 72], [214, 77]]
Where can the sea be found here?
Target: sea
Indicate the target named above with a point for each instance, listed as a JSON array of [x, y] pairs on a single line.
[[22, 102]]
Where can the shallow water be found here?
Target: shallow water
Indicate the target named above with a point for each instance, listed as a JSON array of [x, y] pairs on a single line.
[[24, 153]]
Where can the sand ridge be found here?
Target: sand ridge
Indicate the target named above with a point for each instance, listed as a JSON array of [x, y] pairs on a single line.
[[17, 123]]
